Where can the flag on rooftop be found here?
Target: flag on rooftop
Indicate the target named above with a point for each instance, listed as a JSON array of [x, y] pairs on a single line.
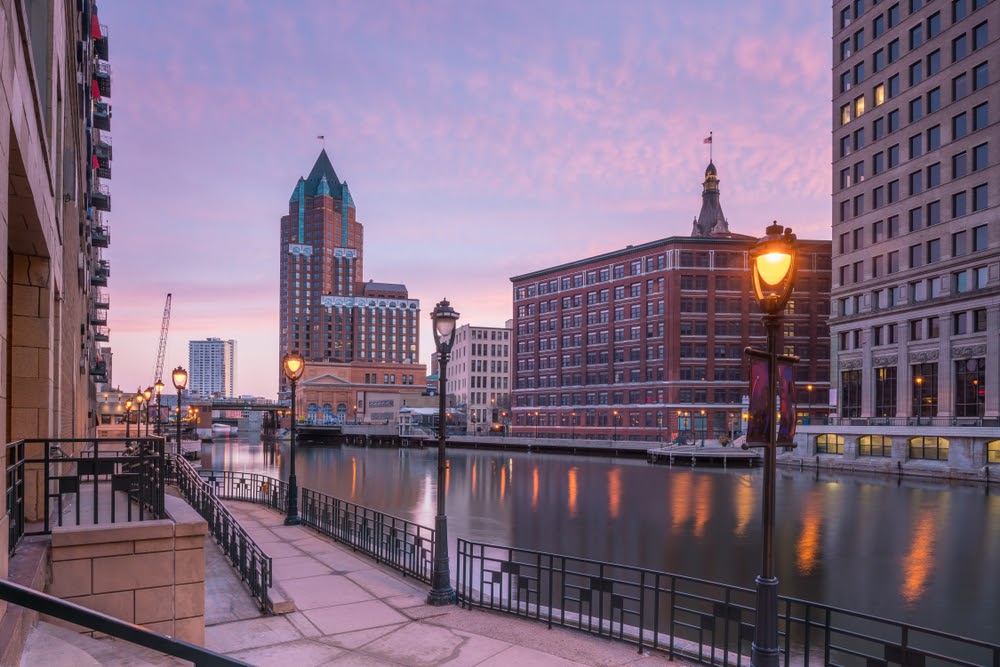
[[708, 139]]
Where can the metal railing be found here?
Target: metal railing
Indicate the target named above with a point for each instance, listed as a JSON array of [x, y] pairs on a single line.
[[705, 621], [401, 544], [121, 479], [938, 422], [114, 627], [205, 495], [249, 487]]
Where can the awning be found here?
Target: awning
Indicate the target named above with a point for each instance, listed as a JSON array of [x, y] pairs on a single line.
[[95, 90], [95, 27]]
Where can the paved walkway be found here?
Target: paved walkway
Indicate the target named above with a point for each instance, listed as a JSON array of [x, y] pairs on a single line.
[[351, 611]]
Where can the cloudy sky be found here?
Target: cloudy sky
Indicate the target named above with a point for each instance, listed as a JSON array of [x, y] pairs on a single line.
[[481, 140]]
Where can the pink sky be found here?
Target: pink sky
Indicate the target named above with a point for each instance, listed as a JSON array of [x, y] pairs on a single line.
[[481, 140]]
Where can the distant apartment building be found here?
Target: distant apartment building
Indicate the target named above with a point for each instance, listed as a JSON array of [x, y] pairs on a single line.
[[212, 364], [328, 313], [479, 375], [915, 320], [646, 342]]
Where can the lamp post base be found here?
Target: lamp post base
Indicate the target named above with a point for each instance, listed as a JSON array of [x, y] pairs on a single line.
[[764, 651], [441, 592], [293, 520]]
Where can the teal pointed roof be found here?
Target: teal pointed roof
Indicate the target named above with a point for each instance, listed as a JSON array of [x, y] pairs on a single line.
[[295, 192], [324, 187], [322, 169]]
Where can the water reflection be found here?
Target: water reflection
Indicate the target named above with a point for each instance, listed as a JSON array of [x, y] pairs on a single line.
[[921, 552]]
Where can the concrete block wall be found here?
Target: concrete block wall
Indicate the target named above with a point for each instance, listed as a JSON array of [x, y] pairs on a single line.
[[150, 573]]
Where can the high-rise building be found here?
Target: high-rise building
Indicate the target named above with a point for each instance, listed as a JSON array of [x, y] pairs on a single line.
[[915, 321], [646, 342], [212, 364], [328, 313], [479, 374]]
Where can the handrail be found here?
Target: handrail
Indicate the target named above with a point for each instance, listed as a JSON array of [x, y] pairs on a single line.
[[250, 561], [49, 605], [401, 544], [702, 620]]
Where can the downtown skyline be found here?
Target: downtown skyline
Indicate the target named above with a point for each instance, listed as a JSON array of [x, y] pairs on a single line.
[[479, 142]]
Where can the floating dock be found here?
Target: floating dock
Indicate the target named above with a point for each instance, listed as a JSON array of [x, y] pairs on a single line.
[[712, 454]]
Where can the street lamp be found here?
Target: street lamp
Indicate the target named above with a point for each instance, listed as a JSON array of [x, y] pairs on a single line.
[[536, 424], [139, 398], [293, 365], [704, 428], [444, 319], [159, 416], [128, 417], [147, 394], [920, 399], [572, 425], [773, 264], [659, 426], [180, 380], [614, 414]]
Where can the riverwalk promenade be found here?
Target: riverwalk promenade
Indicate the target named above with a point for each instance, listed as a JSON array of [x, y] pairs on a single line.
[[341, 608]]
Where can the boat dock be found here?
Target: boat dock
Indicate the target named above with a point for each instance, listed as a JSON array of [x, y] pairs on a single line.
[[711, 454]]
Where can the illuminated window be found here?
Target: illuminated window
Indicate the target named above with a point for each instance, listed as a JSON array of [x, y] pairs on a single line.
[[929, 447], [859, 106], [828, 443], [879, 94], [875, 445]]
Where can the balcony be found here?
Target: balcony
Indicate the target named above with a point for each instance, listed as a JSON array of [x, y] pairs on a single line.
[[100, 198], [102, 76], [100, 237], [101, 300], [99, 317], [102, 116], [102, 335], [102, 151], [99, 274], [99, 371], [101, 44]]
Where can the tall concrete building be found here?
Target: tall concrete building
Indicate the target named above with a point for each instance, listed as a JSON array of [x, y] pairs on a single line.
[[646, 342], [915, 321], [479, 374], [328, 312], [212, 364]]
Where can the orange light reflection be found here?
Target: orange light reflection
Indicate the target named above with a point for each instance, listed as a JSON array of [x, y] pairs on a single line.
[[534, 488], [744, 500], [807, 547], [572, 490], [919, 560], [614, 492]]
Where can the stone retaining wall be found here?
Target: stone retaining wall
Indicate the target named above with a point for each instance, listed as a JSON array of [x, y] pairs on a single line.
[[150, 573]]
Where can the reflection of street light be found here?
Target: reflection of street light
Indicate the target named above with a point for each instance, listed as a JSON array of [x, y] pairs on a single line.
[[293, 365], [444, 319], [773, 264], [180, 379]]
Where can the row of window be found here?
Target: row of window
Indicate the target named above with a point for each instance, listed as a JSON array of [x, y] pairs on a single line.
[[962, 202], [890, 19], [968, 391]]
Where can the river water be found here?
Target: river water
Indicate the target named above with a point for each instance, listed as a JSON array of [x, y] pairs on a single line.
[[919, 551]]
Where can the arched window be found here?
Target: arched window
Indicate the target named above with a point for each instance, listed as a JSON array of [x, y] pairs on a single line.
[[875, 445], [829, 443], [929, 447], [993, 451]]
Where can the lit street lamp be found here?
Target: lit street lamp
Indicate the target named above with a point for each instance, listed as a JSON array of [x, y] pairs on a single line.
[[159, 416], [293, 365], [920, 399], [139, 398], [704, 428], [180, 380], [809, 392], [444, 319], [128, 418], [614, 414], [773, 264], [572, 425], [146, 395]]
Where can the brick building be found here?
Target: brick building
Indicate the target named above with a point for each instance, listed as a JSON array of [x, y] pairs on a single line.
[[647, 341], [327, 311], [479, 375]]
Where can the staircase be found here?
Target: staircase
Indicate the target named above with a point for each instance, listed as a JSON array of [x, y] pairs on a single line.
[[50, 644]]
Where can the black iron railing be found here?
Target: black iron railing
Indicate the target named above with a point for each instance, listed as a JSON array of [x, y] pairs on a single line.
[[401, 544], [937, 422], [250, 561], [109, 625], [249, 487], [120, 479], [706, 621]]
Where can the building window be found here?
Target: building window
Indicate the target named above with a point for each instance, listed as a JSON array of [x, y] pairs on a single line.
[[893, 120], [980, 157], [916, 146], [894, 50], [923, 389], [979, 238], [892, 156], [875, 445], [934, 175], [979, 198], [828, 443], [980, 36], [916, 182], [850, 387], [929, 447], [959, 87], [959, 47], [916, 36], [959, 126], [958, 205], [933, 213], [980, 116], [958, 165], [885, 392], [980, 76], [934, 62], [934, 138], [916, 73]]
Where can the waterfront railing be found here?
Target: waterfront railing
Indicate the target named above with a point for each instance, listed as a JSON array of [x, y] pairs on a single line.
[[705, 621], [401, 544], [204, 490], [82, 481]]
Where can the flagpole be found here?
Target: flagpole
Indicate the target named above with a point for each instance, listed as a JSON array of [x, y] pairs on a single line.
[[711, 146]]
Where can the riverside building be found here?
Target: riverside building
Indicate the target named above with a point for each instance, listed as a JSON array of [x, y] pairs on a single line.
[[479, 375], [915, 321], [646, 342], [212, 364], [328, 313]]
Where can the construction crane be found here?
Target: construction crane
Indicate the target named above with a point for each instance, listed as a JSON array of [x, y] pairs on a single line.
[[158, 371]]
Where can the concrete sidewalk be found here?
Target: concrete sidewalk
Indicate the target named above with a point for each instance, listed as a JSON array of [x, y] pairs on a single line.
[[351, 611]]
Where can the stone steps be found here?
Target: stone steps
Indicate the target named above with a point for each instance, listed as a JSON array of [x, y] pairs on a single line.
[[53, 645]]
